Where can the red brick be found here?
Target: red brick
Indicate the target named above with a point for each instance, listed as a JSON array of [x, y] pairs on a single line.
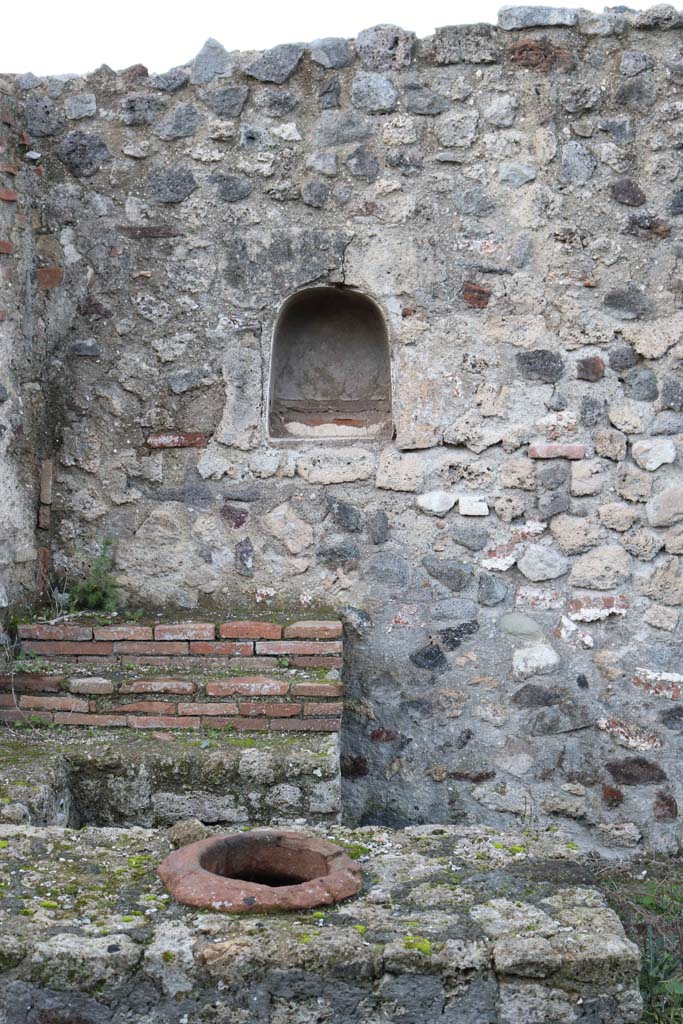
[[38, 631], [186, 631], [476, 295], [50, 277], [176, 439], [306, 725], [317, 662], [44, 517], [105, 721], [278, 647], [248, 686], [98, 687], [313, 710], [8, 195], [314, 630], [25, 683], [170, 647], [123, 632], [108, 659], [179, 686], [66, 647], [53, 703], [250, 710], [6, 248], [221, 647], [163, 723], [250, 629], [317, 690], [243, 724], [147, 707], [207, 709], [9, 169], [22, 716], [557, 451], [8, 700]]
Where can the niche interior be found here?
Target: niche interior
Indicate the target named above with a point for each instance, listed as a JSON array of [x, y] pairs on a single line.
[[330, 373]]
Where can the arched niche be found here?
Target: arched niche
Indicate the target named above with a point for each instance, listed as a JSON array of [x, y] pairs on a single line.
[[330, 369]]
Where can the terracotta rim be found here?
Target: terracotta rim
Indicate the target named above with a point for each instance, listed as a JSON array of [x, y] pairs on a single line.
[[275, 870]]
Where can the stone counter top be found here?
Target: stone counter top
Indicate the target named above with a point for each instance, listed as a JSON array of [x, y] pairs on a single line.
[[459, 924]]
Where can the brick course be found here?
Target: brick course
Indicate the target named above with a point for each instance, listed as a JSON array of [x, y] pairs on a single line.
[[257, 702]]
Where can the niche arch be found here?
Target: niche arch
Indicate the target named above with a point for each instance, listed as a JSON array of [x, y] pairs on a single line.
[[330, 373]]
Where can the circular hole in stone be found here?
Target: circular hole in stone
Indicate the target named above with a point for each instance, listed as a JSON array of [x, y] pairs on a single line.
[[263, 870]]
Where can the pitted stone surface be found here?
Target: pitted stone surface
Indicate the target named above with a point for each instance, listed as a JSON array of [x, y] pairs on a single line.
[[431, 927]]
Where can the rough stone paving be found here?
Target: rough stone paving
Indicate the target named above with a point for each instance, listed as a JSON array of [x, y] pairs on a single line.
[[507, 567]]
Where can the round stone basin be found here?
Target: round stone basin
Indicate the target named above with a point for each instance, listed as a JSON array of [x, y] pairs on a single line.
[[262, 870]]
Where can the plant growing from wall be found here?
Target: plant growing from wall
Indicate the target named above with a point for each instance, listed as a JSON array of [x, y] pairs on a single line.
[[97, 592]]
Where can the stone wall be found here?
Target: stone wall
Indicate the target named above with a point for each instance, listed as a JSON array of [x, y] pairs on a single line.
[[23, 392], [508, 565]]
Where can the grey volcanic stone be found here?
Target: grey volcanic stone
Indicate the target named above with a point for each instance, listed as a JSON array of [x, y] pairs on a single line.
[[363, 164], [667, 423], [431, 658], [331, 53], [622, 357], [170, 81], [315, 193], [672, 393], [452, 636], [516, 175], [4, 394], [470, 535], [641, 384], [634, 62], [388, 567], [577, 164], [630, 302], [211, 60], [338, 552], [510, 18], [466, 44], [276, 102], [531, 695], [42, 116], [627, 192], [373, 93], [244, 557], [490, 590], [276, 65], [83, 153], [540, 364], [226, 100], [341, 129], [172, 184], [454, 575], [378, 526], [385, 47], [85, 347], [345, 515], [232, 187], [329, 94], [179, 123], [79, 105], [140, 108], [420, 99]]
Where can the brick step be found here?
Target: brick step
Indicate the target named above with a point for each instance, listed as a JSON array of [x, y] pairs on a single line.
[[240, 702], [305, 644]]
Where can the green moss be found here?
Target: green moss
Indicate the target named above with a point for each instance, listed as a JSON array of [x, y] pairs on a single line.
[[419, 943], [4, 843], [168, 956]]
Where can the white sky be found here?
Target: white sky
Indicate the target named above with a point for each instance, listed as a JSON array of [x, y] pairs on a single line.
[[49, 37]]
